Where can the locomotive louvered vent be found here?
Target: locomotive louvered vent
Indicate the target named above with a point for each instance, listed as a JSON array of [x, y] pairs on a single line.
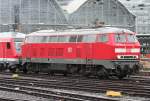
[[128, 57]]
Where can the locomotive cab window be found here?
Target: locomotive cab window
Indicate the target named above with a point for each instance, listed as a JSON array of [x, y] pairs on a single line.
[[89, 38], [131, 38], [103, 38], [8, 45], [120, 38]]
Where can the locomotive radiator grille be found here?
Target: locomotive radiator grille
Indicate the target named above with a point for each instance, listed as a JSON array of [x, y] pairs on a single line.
[[127, 56]]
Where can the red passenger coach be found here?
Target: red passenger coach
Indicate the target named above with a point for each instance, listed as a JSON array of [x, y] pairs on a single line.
[[100, 52], [10, 49]]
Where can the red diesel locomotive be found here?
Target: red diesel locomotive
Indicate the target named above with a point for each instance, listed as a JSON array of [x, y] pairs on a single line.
[[100, 52], [10, 49]]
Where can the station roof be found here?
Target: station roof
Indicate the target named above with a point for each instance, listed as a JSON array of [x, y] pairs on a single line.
[[76, 4]]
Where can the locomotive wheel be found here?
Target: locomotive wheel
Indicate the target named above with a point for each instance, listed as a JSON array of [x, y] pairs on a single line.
[[136, 69], [13, 70], [121, 76], [102, 73], [36, 72], [120, 73], [2, 67], [65, 74], [51, 73], [72, 69], [25, 70]]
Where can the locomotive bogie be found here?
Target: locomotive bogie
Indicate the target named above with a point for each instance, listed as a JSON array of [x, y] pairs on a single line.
[[99, 68]]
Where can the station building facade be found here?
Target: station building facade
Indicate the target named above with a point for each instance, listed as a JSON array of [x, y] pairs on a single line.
[[88, 12]]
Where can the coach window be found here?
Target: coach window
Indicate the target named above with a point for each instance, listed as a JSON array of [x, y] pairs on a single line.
[[73, 38], [8, 45], [103, 38], [89, 38], [52, 39]]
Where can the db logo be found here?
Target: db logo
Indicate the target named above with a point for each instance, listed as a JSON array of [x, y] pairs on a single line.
[[70, 50]]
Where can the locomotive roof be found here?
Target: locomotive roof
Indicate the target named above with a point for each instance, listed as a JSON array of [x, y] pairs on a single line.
[[11, 35], [103, 30]]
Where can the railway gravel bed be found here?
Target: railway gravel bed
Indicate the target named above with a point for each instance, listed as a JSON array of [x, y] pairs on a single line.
[[14, 96], [79, 89]]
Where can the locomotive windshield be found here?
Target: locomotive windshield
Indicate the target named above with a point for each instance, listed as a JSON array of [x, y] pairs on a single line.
[[131, 38], [120, 38], [125, 38]]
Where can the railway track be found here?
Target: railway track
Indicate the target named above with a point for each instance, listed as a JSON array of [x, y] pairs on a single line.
[[10, 99], [9, 84], [45, 93], [7, 99], [29, 84]]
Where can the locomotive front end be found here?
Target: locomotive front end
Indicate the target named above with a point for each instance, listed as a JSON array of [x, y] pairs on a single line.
[[127, 54]]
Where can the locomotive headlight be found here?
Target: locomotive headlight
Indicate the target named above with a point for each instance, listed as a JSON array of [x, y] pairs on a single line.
[[135, 50], [120, 50]]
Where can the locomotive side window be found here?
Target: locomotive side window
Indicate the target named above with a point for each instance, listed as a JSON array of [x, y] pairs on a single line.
[[8, 45], [52, 39], [103, 38], [73, 38], [120, 38], [131, 38], [42, 39], [79, 39], [63, 38], [36, 39], [89, 38]]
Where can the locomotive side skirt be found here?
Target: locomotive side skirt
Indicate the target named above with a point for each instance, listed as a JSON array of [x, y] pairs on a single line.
[[108, 64]]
